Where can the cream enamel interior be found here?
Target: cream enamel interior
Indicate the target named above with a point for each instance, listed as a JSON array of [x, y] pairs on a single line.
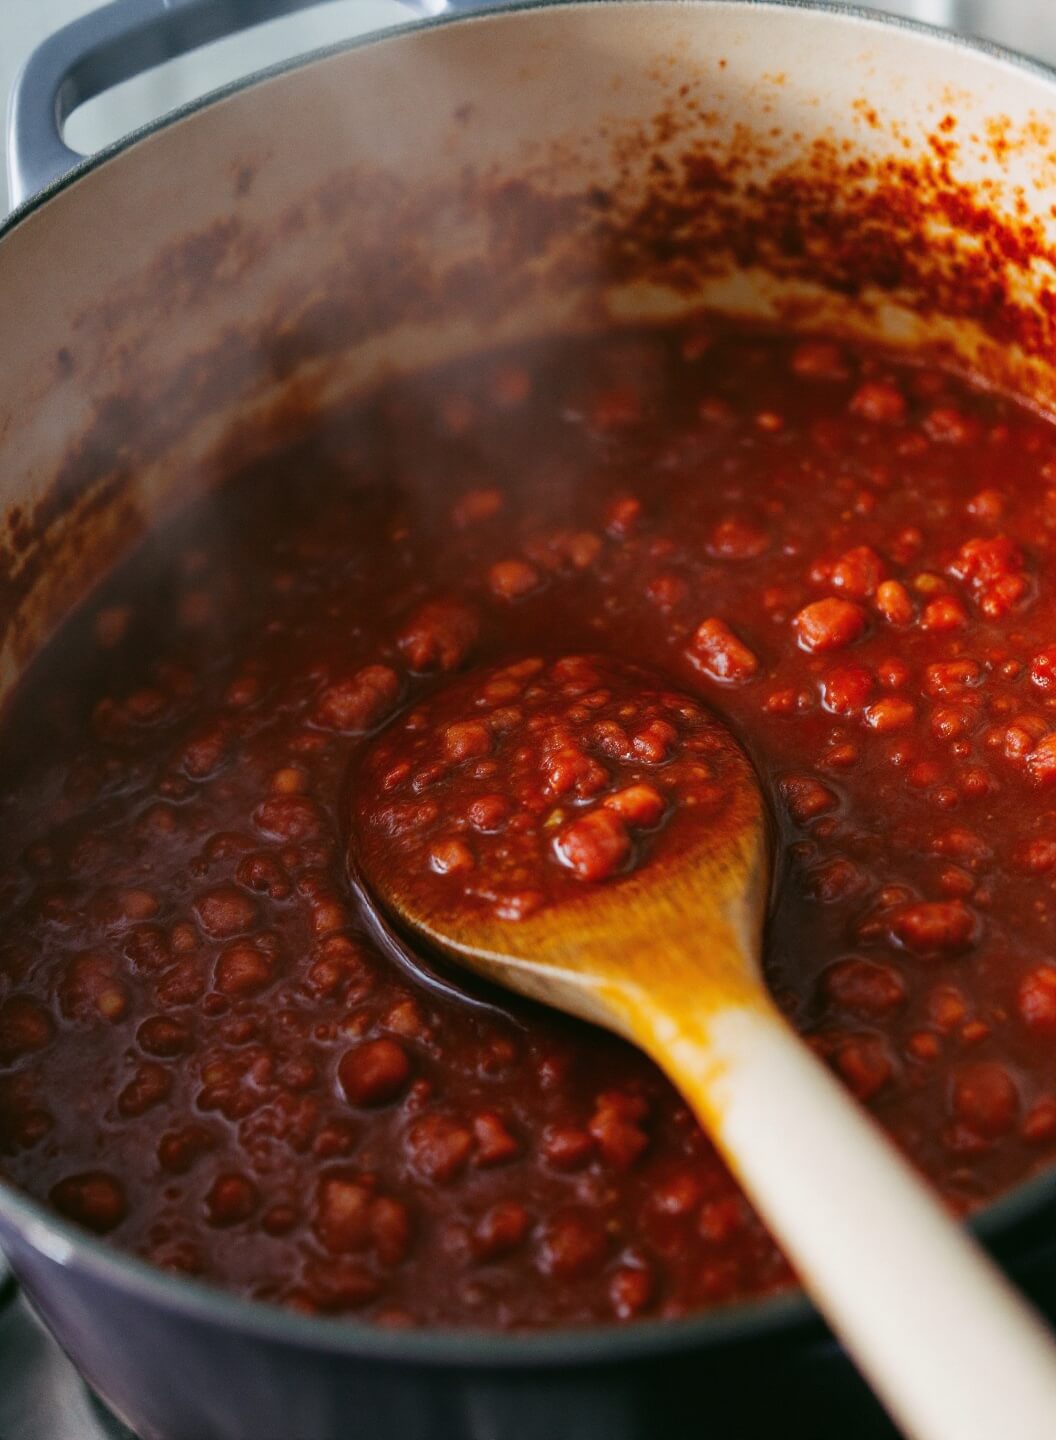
[[181, 288]]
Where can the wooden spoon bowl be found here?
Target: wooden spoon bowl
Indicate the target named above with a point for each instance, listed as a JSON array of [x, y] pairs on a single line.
[[714, 841]]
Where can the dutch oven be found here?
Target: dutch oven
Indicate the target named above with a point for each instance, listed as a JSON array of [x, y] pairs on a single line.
[[198, 291]]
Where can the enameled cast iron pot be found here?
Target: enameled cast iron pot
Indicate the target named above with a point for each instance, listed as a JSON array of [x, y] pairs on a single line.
[[206, 288]]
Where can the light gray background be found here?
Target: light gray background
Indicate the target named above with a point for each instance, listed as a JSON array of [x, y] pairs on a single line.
[[1028, 25], [24, 23]]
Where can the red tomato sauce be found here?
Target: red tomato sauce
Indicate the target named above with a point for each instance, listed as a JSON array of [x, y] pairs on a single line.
[[206, 1057]]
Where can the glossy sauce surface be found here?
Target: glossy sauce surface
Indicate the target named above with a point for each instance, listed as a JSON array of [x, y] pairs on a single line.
[[204, 1056]]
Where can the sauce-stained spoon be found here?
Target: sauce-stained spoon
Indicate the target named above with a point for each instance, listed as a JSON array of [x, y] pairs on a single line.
[[579, 832]]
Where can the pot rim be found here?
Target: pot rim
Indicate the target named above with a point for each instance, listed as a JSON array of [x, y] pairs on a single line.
[[759, 1319]]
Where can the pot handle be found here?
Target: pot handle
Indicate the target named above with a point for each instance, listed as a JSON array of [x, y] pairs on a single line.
[[112, 44]]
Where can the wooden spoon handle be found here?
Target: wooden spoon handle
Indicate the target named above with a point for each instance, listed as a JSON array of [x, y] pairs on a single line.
[[951, 1348]]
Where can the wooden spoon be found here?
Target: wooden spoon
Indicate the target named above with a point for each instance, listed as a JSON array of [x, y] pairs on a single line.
[[668, 956]]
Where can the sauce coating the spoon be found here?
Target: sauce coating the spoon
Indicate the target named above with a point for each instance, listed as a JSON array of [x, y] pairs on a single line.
[[508, 786]]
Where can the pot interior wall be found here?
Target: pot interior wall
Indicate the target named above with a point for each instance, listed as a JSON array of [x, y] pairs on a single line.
[[220, 284]]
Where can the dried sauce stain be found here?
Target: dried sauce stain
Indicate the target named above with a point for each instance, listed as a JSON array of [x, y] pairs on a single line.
[[863, 110], [835, 215], [244, 173], [852, 221]]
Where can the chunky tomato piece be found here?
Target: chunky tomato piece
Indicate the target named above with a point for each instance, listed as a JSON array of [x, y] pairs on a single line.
[[856, 573], [985, 1098], [845, 690], [894, 603], [721, 654], [439, 635], [935, 927], [865, 987], [1037, 999], [1041, 760], [638, 805], [829, 624], [596, 846], [359, 702]]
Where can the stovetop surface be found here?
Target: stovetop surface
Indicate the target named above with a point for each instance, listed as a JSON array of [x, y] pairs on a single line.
[[41, 1395]]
